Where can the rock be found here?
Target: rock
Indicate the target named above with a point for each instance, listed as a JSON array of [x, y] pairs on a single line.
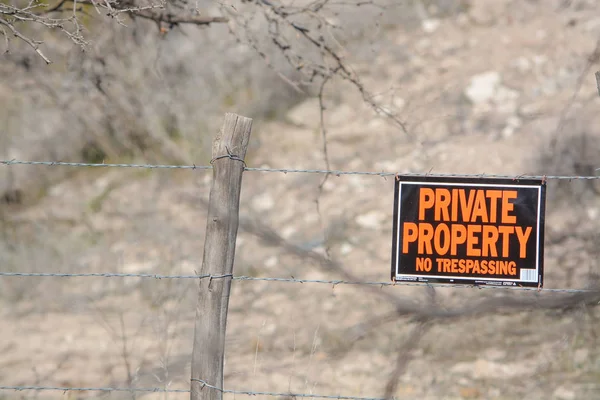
[[483, 87], [288, 231], [346, 248], [263, 202], [430, 25], [399, 103], [562, 393], [486, 90], [271, 261], [370, 220]]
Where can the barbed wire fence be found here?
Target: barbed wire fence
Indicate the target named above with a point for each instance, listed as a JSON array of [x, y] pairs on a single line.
[[163, 390], [382, 174], [331, 282], [589, 296]]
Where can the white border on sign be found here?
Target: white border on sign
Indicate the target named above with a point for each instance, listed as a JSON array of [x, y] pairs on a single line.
[[414, 277]]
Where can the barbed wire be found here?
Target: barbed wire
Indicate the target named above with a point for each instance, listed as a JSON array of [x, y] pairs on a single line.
[[284, 394], [102, 165], [204, 384], [381, 174], [93, 389], [111, 275], [166, 390], [332, 282]]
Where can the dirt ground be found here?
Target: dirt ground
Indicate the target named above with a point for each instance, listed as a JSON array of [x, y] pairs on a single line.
[[505, 88]]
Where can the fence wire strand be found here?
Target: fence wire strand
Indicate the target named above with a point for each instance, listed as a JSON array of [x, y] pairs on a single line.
[[204, 385], [102, 165], [283, 394], [331, 282], [381, 174], [92, 389]]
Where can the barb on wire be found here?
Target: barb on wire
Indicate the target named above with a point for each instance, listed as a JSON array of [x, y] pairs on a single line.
[[283, 394], [332, 282], [93, 389], [338, 173]]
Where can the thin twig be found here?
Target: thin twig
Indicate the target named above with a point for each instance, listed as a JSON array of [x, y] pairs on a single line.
[[30, 42], [179, 19], [404, 356], [325, 156]]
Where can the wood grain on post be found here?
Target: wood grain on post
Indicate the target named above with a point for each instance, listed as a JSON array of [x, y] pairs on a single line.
[[229, 149]]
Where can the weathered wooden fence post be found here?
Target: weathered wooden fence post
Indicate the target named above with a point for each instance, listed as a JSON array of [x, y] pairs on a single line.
[[229, 150]]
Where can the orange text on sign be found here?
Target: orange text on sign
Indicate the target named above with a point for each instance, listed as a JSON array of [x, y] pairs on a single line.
[[471, 222], [477, 240], [473, 207], [465, 266]]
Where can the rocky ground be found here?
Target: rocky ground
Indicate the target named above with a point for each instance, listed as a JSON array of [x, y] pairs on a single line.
[[506, 87]]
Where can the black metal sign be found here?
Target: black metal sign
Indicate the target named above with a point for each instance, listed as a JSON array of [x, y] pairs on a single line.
[[476, 231]]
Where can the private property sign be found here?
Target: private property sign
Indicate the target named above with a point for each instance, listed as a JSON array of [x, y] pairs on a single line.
[[476, 231]]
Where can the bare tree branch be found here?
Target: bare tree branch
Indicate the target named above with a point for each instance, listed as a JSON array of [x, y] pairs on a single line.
[[298, 31], [404, 356], [169, 18], [325, 154], [305, 34], [34, 45], [36, 13]]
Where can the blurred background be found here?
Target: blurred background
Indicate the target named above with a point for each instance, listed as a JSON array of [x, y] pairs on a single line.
[[440, 86]]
